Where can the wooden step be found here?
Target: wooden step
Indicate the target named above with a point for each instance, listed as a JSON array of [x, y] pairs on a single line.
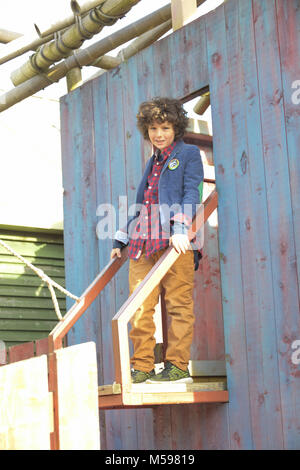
[[202, 390]]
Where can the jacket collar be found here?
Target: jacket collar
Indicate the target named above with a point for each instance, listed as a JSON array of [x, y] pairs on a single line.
[[174, 152]]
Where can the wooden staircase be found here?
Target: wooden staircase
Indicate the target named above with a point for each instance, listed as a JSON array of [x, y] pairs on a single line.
[[209, 386], [209, 377]]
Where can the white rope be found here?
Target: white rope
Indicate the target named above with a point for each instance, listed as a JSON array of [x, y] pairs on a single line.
[[45, 278]]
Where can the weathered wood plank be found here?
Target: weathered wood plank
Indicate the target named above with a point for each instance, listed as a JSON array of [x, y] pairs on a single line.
[[208, 340], [280, 211], [26, 325], [21, 336], [288, 31], [207, 368], [20, 352], [79, 179], [78, 415], [28, 314], [41, 346], [107, 300], [39, 237], [139, 400], [215, 396], [188, 52], [35, 302], [24, 412], [254, 235], [107, 296], [288, 18], [71, 110], [42, 250], [55, 272], [229, 242], [43, 263], [196, 386], [160, 82], [205, 383], [40, 291], [127, 424], [13, 279]]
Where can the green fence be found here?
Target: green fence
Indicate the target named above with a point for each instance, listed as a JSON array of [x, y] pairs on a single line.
[[26, 307]]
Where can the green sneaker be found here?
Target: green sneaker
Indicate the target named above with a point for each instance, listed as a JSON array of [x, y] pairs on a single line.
[[171, 374], [138, 376]]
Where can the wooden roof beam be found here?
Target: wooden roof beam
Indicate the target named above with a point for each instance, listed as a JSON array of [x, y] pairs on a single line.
[[83, 6], [72, 38], [202, 104], [141, 42], [32, 40], [83, 57], [182, 10], [8, 36]]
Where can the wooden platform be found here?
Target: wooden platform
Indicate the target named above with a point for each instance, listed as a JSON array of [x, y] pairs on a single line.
[[202, 390]]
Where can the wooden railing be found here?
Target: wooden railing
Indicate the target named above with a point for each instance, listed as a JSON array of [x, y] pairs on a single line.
[[77, 310], [122, 318]]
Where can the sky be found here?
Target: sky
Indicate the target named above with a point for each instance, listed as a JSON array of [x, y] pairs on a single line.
[[39, 11]]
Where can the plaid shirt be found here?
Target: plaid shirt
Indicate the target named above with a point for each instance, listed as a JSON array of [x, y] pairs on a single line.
[[148, 228]]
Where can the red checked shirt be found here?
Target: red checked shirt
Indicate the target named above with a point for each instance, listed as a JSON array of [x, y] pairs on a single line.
[[148, 230]]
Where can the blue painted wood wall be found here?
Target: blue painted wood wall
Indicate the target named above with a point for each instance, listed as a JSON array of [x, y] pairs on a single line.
[[248, 52]]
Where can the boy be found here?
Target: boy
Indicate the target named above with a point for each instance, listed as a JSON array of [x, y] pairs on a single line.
[[168, 193]]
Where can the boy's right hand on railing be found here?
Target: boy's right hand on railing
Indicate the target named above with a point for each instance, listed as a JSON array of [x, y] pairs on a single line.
[[115, 252]]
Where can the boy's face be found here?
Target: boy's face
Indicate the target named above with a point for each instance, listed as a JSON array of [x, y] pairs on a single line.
[[161, 135]]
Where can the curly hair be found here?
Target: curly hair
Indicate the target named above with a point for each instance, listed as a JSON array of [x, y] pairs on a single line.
[[162, 110]]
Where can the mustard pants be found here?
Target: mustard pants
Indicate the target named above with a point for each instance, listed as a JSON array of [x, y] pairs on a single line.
[[178, 284]]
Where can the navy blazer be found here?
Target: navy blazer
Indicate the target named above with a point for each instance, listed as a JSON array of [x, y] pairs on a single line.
[[179, 189]]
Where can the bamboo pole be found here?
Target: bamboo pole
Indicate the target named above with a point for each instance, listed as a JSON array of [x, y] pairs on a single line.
[[85, 28], [82, 6], [7, 36], [74, 78], [83, 57], [22, 45], [30, 41], [202, 105], [107, 62], [44, 27], [143, 41]]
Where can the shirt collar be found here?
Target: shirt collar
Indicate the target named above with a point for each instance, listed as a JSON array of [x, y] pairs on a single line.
[[165, 153]]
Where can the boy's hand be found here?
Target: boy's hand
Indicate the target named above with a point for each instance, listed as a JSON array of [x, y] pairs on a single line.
[[180, 243], [115, 252]]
